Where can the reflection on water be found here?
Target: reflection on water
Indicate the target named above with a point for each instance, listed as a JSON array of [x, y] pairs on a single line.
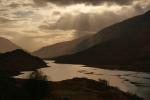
[[134, 82]]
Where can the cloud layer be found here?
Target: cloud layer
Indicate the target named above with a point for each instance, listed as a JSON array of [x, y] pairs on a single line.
[[45, 22], [87, 2]]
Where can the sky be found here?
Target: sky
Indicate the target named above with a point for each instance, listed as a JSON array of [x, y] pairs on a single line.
[[32, 24]]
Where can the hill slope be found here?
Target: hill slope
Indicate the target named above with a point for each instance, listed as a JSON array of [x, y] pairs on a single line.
[[64, 48], [127, 42], [19, 60], [6, 45]]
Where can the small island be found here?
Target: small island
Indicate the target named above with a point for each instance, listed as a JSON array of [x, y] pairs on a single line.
[[19, 60]]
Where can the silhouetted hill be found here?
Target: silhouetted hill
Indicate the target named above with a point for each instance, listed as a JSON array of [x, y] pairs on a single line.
[[86, 89], [64, 48], [123, 43], [71, 89], [6, 45], [19, 60]]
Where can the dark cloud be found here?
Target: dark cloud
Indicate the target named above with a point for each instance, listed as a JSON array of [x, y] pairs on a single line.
[[4, 20], [56, 13], [40, 2], [14, 5], [91, 22], [88, 2], [1, 10]]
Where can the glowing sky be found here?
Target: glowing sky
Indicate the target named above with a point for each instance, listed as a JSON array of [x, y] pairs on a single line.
[[35, 23]]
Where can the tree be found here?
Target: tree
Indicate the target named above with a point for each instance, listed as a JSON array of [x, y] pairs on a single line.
[[37, 87]]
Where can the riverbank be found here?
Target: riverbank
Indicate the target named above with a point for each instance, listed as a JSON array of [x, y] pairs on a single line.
[[86, 89], [82, 89], [121, 67], [136, 68]]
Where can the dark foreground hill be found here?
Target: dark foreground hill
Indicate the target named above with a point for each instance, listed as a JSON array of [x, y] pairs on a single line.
[[19, 60], [72, 89], [125, 43]]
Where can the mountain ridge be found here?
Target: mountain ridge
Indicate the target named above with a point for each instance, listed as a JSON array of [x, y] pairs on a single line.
[[122, 43], [63, 48]]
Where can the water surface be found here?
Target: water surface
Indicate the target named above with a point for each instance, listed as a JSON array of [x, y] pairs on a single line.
[[127, 81]]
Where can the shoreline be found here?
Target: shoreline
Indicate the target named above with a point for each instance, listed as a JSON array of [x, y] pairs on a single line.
[[145, 69], [85, 89]]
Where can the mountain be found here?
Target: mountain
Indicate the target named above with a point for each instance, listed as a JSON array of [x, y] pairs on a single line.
[[124, 43], [19, 60], [64, 48], [6, 45]]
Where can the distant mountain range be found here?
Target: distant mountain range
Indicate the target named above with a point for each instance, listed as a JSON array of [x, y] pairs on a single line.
[[6, 45], [64, 48], [127, 42]]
